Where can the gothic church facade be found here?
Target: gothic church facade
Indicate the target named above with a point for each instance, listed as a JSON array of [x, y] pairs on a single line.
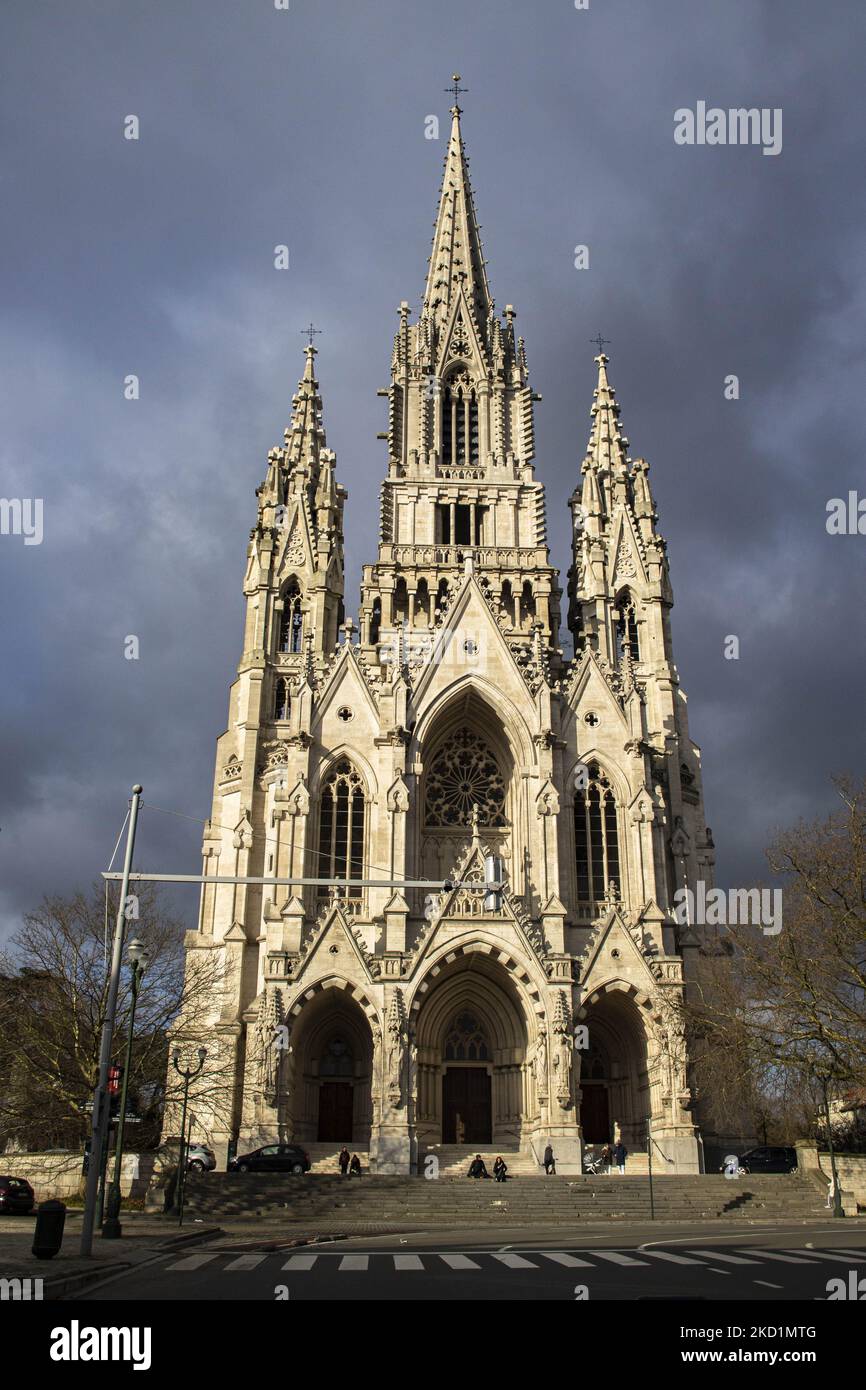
[[380, 1008]]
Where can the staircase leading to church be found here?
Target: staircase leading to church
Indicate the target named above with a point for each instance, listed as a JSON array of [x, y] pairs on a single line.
[[324, 1202], [453, 1160]]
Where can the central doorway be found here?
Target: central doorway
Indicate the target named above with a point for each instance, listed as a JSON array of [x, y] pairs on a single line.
[[335, 1111], [595, 1113], [466, 1108]]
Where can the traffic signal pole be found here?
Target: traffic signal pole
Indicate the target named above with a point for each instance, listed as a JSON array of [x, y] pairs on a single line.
[[100, 1097]]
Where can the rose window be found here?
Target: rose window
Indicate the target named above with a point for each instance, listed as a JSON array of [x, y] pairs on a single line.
[[464, 774]]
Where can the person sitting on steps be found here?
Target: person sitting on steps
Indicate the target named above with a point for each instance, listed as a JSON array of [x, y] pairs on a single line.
[[477, 1168]]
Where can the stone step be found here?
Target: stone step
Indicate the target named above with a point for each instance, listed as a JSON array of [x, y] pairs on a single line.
[[331, 1199]]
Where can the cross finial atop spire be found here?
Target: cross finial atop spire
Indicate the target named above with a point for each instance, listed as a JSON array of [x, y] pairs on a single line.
[[455, 90], [600, 342], [310, 332]]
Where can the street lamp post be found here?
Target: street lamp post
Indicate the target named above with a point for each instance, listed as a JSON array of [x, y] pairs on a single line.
[[111, 1228], [837, 1191], [187, 1073]]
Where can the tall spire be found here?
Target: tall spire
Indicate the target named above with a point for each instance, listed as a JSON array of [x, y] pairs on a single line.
[[608, 446], [457, 258], [305, 437]]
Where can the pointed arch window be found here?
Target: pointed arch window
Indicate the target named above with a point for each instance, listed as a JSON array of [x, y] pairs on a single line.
[[282, 699], [596, 838], [375, 621], [459, 422], [291, 619], [626, 628], [466, 1041], [341, 825]]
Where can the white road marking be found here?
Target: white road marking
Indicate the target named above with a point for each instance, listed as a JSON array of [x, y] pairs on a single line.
[[837, 1259], [780, 1255], [514, 1261], [300, 1262], [407, 1262], [570, 1261], [246, 1262], [726, 1259], [766, 1285], [351, 1263], [459, 1262], [195, 1261], [616, 1257], [667, 1255]]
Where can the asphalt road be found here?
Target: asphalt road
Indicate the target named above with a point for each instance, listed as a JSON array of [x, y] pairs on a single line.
[[626, 1264]]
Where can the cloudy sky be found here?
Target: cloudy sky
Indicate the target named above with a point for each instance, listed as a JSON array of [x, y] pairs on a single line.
[[306, 127]]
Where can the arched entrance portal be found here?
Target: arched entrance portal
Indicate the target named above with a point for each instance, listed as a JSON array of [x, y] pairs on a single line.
[[474, 1084], [332, 1051], [614, 1080]]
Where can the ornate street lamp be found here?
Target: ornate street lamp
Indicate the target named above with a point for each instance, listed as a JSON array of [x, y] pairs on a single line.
[[187, 1073]]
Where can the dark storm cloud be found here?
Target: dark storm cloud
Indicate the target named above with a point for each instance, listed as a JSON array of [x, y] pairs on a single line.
[[260, 127]]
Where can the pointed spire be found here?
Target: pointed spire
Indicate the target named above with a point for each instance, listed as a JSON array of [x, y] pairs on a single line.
[[457, 258], [305, 437], [608, 446]]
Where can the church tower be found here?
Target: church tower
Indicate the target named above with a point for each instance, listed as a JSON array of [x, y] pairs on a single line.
[[372, 996]]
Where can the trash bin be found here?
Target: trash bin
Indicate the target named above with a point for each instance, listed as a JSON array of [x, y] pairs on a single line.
[[48, 1235]]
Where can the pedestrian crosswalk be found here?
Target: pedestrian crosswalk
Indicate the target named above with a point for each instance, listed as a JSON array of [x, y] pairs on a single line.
[[523, 1261]]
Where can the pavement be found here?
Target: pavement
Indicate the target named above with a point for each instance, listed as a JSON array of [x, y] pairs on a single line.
[[144, 1238]]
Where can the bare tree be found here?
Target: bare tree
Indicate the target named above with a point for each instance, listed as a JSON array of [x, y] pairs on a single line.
[[781, 1018], [53, 994]]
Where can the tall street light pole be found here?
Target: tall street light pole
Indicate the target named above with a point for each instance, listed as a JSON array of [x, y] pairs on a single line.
[[187, 1073], [837, 1191], [100, 1097], [111, 1227]]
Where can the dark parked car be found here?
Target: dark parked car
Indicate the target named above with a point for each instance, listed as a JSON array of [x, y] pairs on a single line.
[[273, 1158], [769, 1159], [16, 1194]]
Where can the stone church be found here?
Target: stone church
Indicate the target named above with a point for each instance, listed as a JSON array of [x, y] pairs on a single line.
[[386, 1006]]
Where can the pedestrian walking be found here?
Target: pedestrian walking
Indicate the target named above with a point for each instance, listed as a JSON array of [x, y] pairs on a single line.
[[620, 1154], [343, 1161], [549, 1161]]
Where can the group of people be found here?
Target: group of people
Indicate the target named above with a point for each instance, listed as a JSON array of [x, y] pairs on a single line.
[[478, 1168], [614, 1156], [349, 1166]]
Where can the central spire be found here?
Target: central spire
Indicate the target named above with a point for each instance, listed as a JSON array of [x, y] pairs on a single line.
[[457, 260]]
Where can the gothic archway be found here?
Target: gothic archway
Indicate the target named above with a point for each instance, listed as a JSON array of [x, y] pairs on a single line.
[[468, 762], [331, 1074], [616, 1098], [474, 1033]]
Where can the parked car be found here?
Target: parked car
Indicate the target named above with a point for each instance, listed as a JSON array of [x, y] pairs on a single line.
[[771, 1158], [200, 1158], [273, 1158], [16, 1195]]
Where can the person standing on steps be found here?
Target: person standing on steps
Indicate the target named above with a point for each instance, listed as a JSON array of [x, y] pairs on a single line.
[[549, 1160], [344, 1161], [620, 1154]]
